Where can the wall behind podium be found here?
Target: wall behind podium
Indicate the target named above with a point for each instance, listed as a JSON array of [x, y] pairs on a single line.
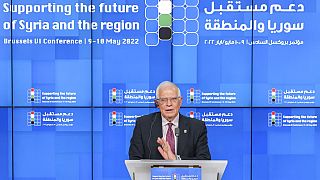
[[248, 69]]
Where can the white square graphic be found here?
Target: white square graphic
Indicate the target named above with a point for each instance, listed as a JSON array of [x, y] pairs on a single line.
[[165, 7]]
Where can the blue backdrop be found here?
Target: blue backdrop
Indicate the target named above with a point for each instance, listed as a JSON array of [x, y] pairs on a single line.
[[248, 69]]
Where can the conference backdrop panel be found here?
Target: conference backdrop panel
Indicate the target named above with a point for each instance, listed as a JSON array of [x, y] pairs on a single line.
[[216, 70], [248, 69], [52, 143], [154, 43], [285, 60], [6, 144], [5, 63], [127, 68], [285, 143], [49, 71]]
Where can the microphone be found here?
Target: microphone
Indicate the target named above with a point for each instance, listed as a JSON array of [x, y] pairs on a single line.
[[150, 133], [177, 133]]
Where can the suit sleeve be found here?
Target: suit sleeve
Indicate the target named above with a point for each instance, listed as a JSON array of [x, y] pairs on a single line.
[[136, 150], [202, 149]]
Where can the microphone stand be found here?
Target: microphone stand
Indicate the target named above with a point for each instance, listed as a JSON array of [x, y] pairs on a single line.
[[177, 133]]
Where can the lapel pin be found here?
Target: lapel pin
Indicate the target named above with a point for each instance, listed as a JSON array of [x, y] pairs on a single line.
[[185, 131]]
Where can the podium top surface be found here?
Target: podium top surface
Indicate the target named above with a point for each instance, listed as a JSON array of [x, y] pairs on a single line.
[[202, 163], [215, 166]]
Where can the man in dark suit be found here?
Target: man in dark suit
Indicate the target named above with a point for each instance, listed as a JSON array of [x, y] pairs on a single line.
[[154, 138]]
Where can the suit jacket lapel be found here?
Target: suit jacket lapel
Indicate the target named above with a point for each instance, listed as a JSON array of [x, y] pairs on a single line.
[[157, 129], [184, 129]]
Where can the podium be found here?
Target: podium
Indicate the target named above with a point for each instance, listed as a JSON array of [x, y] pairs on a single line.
[[210, 169]]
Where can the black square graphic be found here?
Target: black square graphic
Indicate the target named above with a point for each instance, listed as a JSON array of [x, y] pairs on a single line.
[[165, 33]]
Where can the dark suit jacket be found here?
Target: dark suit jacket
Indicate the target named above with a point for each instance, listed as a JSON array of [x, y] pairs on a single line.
[[192, 141]]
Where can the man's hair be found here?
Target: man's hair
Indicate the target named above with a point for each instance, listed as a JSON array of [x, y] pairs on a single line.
[[167, 84]]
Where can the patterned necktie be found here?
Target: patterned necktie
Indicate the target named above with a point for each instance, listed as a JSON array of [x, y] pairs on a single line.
[[170, 137]]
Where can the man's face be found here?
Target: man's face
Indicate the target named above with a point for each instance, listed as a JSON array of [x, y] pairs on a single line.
[[169, 102]]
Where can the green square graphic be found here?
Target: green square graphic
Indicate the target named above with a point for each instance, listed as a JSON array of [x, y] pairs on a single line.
[[165, 20]]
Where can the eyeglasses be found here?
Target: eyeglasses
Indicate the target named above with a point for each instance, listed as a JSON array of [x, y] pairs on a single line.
[[173, 100]]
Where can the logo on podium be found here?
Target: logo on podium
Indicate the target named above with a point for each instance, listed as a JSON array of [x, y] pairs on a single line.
[[175, 176]]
